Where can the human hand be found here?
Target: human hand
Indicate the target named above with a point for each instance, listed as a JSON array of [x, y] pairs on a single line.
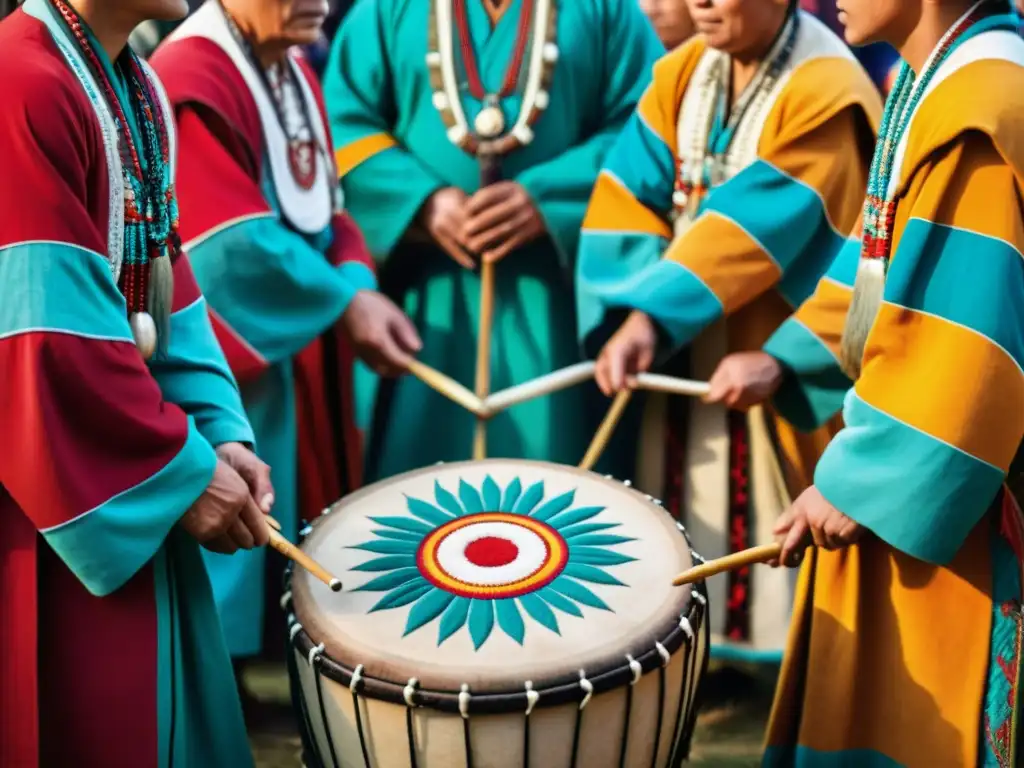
[[812, 520], [251, 469], [383, 336], [225, 518], [500, 218], [628, 352], [443, 216], [744, 379]]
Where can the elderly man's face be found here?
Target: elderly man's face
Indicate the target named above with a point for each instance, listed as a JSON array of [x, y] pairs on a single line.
[[671, 20], [296, 22]]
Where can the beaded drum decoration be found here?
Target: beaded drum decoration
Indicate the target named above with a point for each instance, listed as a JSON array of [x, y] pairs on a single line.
[[498, 612]]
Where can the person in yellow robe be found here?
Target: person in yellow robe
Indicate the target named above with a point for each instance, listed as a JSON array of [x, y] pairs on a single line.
[[906, 647], [722, 203]]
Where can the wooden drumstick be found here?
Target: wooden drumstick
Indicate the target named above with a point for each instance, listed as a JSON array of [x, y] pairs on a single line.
[[483, 355], [446, 386], [272, 523], [736, 560], [300, 558], [671, 385], [539, 387], [604, 432]]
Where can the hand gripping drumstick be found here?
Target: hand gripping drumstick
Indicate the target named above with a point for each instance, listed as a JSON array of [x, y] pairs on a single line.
[[300, 558], [446, 386], [483, 355]]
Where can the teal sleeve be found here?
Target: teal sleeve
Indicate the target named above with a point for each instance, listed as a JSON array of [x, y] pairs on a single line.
[[273, 288], [384, 185], [195, 376], [561, 187]]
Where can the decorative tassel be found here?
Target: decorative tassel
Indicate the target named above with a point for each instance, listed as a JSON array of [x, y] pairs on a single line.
[[868, 289], [159, 300]]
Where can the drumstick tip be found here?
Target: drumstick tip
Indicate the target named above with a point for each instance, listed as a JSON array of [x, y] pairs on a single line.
[[335, 585]]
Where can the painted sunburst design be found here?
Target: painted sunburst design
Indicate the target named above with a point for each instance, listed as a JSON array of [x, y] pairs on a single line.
[[486, 556]]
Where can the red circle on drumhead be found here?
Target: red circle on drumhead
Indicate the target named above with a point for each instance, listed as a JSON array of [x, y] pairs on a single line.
[[491, 551]]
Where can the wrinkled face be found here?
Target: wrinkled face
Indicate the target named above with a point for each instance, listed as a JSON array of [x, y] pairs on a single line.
[[871, 21], [290, 22], [735, 26], [671, 20]]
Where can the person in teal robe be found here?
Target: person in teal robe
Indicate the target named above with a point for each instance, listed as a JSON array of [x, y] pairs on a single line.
[[409, 188]]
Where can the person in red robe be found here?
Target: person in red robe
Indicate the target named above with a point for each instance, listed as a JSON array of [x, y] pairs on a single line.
[[290, 283], [125, 445]]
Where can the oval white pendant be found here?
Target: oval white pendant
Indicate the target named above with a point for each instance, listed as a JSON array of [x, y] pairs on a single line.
[[144, 333], [489, 123]]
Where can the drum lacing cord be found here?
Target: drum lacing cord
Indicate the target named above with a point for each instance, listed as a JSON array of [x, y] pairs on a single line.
[[464, 698], [588, 691], [315, 658], [532, 697], [408, 694], [638, 671], [296, 628], [286, 600], [353, 687]]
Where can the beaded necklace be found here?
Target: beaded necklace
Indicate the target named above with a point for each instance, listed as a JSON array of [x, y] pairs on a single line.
[[879, 213], [151, 240], [536, 47], [704, 166]]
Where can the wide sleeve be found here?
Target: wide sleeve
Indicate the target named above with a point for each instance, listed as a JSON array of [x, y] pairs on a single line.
[[807, 345], [561, 187], [92, 453], [385, 186], [777, 224], [937, 415], [270, 291], [194, 374]]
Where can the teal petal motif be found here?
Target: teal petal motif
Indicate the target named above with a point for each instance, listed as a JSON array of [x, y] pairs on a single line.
[[387, 533], [427, 608], [481, 621], [492, 495], [508, 501], [427, 512], [391, 580], [470, 498], [509, 619], [454, 618], [599, 540], [447, 500], [404, 524], [576, 591], [404, 595], [571, 516], [551, 508], [530, 499], [591, 574], [596, 556], [556, 600], [388, 547], [579, 530], [387, 563], [539, 611]]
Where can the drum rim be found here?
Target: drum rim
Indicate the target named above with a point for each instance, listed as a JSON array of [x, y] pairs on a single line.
[[565, 690]]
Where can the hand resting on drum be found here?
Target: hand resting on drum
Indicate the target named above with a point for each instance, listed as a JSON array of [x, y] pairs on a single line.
[[744, 379], [628, 352], [225, 517]]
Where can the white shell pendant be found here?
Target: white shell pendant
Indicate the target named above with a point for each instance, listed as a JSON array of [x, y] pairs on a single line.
[[144, 333], [490, 122]]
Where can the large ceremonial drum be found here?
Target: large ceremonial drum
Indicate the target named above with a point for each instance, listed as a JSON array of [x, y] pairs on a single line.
[[494, 614]]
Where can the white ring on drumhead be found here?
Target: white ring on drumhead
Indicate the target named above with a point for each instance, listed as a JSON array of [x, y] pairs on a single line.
[[531, 556]]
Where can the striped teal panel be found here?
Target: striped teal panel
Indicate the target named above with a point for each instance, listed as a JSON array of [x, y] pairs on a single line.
[[787, 218], [938, 270], [60, 287], [272, 286], [644, 164], [813, 389], [920, 495], [107, 545], [196, 377], [804, 757]]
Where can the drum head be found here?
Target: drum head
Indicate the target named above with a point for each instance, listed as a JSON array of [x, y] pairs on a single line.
[[492, 573]]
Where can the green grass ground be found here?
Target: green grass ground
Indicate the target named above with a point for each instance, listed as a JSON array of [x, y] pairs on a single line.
[[729, 729]]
